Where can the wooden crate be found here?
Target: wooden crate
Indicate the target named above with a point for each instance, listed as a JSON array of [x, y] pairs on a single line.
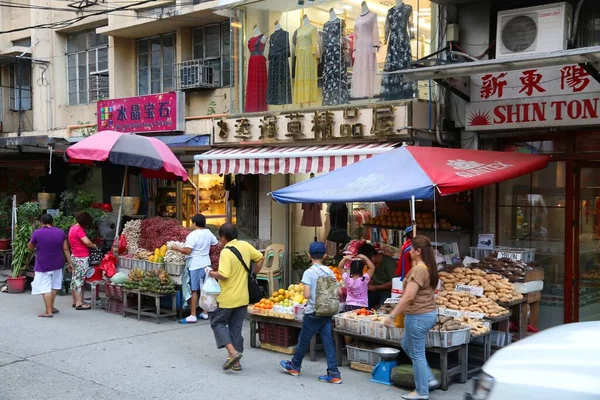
[[361, 367], [537, 274], [279, 349]]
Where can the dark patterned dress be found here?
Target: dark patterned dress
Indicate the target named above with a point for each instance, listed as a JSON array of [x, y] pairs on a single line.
[[398, 56], [279, 85], [335, 77]]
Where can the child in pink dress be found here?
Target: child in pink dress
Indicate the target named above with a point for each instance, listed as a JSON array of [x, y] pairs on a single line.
[[357, 283]]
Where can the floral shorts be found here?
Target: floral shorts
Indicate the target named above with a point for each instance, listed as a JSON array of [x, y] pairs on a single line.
[[80, 267]]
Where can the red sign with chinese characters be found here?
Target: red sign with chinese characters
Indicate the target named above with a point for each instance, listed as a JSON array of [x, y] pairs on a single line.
[[533, 98], [164, 112]]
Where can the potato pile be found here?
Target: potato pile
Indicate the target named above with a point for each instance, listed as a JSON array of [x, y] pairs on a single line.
[[494, 286], [454, 323], [462, 301]]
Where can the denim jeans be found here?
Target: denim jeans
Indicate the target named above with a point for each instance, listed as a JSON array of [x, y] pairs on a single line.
[[416, 327], [311, 325]]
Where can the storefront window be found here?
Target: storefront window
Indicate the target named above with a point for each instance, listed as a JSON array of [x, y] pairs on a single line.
[[290, 55], [531, 214]]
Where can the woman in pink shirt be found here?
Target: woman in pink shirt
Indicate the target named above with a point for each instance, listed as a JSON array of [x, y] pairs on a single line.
[[80, 255], [357, 283]]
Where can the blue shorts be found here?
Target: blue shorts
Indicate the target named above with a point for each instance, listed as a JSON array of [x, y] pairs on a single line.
[[196, 279]]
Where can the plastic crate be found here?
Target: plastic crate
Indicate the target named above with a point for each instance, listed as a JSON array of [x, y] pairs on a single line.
[[175, 269], [372, 329], [396, 333], [125, 262], [284, 336], [114, 292], [480, 254], [364, 356], [140, 264], [527, 255], [447, 339], [114, 306], [346, 324], [151, 266]]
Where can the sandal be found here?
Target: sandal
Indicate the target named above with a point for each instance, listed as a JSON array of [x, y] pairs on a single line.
[[55, 311], [46, 316], [236, 367], [83, 307], [231, 361]]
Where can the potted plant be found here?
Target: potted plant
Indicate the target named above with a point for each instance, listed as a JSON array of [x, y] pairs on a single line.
[[27, 221]]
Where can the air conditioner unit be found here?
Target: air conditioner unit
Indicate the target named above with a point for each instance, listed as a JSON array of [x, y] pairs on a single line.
[[533, 30]]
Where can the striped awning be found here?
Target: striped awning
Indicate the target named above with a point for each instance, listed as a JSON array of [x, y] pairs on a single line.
[[285, 160]]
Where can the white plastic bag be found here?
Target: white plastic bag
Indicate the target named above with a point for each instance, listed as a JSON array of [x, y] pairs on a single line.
[[210, 286], [208, 302]]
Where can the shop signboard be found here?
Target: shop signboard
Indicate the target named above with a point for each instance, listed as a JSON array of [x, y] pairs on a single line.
[[535, 98], [154, 113]]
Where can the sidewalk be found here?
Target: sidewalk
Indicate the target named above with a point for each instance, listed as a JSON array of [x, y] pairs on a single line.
[[96, 355]]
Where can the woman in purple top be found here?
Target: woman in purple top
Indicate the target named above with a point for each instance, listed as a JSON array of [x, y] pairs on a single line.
[[52, 250]]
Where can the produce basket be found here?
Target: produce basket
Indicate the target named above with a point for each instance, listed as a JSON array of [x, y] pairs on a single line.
[[447, 339], [396, 333], [364, 356], [151, 266], [113, 291], [372, 329], [284, 336], [114, 306], [346, 324], [125, 262], [175, 269]]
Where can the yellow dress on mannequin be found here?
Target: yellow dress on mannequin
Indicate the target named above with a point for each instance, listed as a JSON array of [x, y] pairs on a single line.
[[305, 86]]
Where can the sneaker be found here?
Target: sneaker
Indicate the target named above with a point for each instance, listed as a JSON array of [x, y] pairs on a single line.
[[189, 320], [336, 378], [433, 384], [204, 316], [288, 367]]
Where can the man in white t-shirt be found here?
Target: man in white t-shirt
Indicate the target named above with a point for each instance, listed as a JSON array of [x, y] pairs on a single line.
[[197, 248]]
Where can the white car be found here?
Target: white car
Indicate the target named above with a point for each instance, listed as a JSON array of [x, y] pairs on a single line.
[[561, 363]]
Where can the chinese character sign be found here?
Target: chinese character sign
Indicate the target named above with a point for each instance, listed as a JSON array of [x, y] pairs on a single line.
[[164, 112], [538, 82]]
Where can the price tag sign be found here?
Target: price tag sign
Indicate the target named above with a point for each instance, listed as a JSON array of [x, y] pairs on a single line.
[[474, 290], [450, 313], [512, 256], [55, 213], [474, 315], [392, 300]]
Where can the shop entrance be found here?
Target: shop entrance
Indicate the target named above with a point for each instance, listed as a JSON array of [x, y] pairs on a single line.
[[586, 254]]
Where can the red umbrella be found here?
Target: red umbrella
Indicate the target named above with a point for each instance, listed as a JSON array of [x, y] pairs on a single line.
[[151, 156]]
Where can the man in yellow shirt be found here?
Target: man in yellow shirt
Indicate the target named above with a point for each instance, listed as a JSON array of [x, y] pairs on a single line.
[[228, 319]]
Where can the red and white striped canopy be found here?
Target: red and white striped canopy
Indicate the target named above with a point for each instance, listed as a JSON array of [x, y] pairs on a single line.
[[285, 160]]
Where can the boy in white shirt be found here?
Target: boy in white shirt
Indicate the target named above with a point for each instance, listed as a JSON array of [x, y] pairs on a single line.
[[197, 248]]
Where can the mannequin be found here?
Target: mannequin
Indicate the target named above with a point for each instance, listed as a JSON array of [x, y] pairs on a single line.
[[398, 33], [256, 86], [279, 82], [332, 15], [365, 8], [366, 42], [305, 20]]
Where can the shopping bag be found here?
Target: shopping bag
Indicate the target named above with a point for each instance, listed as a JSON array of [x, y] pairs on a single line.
[[208, 302], [211, 286], [108, 265]]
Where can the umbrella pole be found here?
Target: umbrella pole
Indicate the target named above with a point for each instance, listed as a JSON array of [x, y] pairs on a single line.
[[120, 213], [413, 217]]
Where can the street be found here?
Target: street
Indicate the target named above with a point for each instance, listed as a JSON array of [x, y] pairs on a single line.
[[97, 355]]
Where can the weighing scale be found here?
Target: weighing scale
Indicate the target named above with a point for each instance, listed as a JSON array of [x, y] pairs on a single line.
[[383, 370]]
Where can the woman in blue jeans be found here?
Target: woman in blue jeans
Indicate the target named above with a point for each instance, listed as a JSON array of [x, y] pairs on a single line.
[[420, 314]]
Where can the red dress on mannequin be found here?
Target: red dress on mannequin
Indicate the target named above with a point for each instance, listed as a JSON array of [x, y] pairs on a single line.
[[256, 87]]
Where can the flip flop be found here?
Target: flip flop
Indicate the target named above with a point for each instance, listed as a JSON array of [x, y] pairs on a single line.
[[84, 307], [73, 305], [232, 360], [55, 311], [46, 316], [236, 368]]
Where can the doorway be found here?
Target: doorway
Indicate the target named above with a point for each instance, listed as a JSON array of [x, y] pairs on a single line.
[[586, 243]]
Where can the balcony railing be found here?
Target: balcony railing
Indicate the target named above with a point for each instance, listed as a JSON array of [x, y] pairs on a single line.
[[196, 74]]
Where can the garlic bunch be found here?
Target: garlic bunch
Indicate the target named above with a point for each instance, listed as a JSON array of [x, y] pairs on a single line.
[[173, 256], [131, 230]]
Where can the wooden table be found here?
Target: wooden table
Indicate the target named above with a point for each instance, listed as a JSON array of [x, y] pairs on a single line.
[[155, 312], [519, 310], [503, 324], [255, 319], [463, 355], [533, 300]]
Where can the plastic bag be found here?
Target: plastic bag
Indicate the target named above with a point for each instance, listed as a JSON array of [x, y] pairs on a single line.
[[211, 286], [122, 244], [108, 265], [208, 302]]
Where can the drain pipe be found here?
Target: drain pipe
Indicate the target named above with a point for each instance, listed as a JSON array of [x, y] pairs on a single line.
[[573, 35]]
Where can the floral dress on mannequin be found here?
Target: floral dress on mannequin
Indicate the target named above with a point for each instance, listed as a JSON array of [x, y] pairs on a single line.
[[335, 76], [279, 86], [397, 27], [256, 87]]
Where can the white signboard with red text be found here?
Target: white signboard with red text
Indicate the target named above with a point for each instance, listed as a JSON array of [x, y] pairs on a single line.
[[535, 98]]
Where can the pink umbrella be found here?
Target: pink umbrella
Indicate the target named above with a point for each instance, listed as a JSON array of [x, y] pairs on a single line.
[[151, 156]]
